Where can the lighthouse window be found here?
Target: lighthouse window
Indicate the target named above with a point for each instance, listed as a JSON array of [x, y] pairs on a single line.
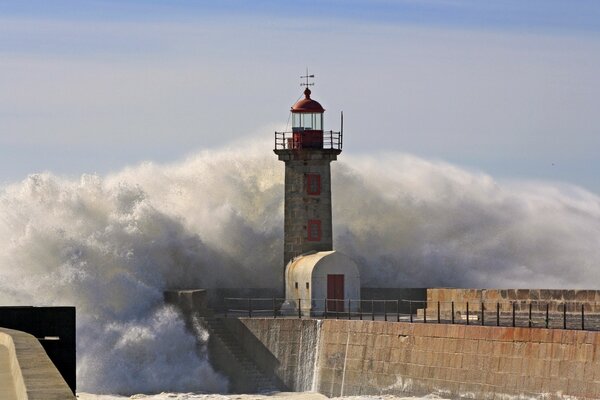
[[307, 121], [314, 230], [313, 184]]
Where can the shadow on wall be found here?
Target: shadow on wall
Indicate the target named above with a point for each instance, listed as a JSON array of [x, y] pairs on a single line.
[[252, 348]]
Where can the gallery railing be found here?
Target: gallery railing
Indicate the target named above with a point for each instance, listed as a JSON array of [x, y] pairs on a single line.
[[518, 313], [328, 140]]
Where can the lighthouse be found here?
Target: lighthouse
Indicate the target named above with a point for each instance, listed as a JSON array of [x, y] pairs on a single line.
[[307, 151]]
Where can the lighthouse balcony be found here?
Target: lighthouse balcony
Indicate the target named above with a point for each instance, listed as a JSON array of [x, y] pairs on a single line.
[[308, 139]]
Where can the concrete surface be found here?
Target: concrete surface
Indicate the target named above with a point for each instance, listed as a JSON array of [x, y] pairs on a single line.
[[41, 322], [28, 370], [7, 381]]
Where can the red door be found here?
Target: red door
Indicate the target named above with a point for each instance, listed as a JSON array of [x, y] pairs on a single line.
[[335, 292]]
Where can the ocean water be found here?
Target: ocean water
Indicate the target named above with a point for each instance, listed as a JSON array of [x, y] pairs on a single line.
[[110, 245]]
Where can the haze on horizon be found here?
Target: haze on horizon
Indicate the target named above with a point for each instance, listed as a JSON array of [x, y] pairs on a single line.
[[505, 87]]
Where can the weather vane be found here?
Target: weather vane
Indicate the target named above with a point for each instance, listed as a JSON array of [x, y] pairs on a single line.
[[307, 77]]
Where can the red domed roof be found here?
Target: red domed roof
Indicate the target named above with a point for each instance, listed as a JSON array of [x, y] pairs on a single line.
[[307, 105]]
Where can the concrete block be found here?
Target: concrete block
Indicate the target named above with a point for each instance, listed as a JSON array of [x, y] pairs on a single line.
[[592, 390], [485, 347], [355, 352], [558, 351], [588, 372], [596, 368], [576, 387], [354, 365], [585, 352], [545, 351], [469, 346], [522, 334], [382, 341], [568, 337]]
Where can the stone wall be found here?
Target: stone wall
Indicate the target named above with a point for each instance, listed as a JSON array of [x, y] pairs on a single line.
[[539, 298], [453, 361]]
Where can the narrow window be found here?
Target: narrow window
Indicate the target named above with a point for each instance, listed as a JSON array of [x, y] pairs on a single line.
[[314, 230], [307, 286], [313, 184], [296, 285]]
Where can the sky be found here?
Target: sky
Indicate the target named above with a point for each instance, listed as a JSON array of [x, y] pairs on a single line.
[[507, 87]]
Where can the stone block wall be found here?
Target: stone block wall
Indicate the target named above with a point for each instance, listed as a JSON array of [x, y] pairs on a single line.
[[453, 361], [555, 298]]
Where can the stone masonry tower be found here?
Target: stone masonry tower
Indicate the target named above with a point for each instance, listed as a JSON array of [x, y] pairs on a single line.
[[307, 152]]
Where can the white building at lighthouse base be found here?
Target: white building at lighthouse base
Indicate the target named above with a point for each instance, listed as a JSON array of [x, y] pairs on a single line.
[[321, 282]]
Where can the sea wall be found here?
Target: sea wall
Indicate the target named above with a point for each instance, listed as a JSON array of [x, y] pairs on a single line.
[[26, 370], [55, 329], [454, 361]]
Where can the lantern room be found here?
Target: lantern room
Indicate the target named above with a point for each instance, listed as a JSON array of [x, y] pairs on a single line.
[[307, 123]]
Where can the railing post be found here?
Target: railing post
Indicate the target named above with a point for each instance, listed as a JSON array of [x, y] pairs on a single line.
[[410, 310], [337, 308], [372, 310], [349, 309], [397, 311], [300, 308], [498, 313], [226, 307], [530, 308], [425, 313], [452, 312], [482, 314], [438, 313], [582, 318], [385, 310], [360, 312], [547, 315], [564, 315], [249, 308], [326, 308], [467, 313], [274, 313], [513, 310]]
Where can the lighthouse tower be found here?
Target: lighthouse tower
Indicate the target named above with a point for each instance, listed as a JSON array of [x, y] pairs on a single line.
[[307, 152], [316, 278]]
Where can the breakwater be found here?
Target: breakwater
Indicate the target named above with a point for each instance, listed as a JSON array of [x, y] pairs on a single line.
[[454, 361], [26, 371]]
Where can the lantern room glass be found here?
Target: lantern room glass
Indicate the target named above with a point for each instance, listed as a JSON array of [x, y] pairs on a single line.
[[307, 121]]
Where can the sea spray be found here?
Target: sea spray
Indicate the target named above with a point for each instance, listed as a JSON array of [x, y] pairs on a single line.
[[111, 245], [105, 249]]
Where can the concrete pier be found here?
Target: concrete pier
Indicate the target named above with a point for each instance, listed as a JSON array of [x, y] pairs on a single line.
[[26, 372]]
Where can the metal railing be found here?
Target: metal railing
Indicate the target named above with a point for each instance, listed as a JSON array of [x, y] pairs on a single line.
[[518, 313], [286, 141]]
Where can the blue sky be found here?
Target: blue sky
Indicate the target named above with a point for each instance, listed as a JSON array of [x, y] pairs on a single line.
[[506, 87]]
